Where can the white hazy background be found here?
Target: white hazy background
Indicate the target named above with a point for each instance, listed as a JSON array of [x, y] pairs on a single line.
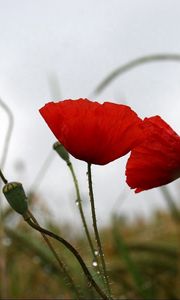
[[59, 49]]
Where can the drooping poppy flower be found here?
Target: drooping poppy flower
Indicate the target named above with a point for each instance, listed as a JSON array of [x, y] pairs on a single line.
[[93, 132], [156, 161]]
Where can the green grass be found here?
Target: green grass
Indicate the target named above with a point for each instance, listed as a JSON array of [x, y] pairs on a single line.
[[142, 260]]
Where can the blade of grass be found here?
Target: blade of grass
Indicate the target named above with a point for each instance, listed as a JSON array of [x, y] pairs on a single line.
[[133, 64], [123, 251], [157, 249], [36, 247], [171, 204]]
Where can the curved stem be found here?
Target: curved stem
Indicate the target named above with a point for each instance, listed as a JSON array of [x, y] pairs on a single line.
[[3, 178], [79, 201], [61, 264], [91, 195], [9, 131], [133, 64], [72, 250], [4, 288], [2, 162]]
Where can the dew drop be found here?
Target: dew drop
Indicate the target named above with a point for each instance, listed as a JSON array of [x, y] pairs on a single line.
[[96, 252], [77, 202], [94, 263]]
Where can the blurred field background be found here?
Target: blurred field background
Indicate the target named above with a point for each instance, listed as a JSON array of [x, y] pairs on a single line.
[[52, 50], [142, 258]]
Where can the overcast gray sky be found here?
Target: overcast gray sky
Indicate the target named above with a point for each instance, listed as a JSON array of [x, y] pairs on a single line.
[[79, 43]]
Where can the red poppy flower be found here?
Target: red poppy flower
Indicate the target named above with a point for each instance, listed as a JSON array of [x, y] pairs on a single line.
[[93, 132], [156, 161]]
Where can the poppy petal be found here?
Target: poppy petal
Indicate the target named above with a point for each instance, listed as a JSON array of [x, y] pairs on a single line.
[[93, 132], [156, 161]]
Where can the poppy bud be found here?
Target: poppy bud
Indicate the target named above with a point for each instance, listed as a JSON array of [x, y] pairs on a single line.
[[59, 148], [16, 197]]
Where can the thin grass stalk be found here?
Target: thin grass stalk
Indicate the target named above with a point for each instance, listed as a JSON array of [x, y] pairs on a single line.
[[60, 262], [4, 286], [161, 57], [132, 267], [8, 134], [174, 210], [176, 217], [41, 172]]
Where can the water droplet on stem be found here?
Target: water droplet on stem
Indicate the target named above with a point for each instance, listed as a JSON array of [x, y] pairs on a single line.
[[96, 252], [94, 263]]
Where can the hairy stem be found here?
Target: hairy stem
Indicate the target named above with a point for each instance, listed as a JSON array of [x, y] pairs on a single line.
[[100, 250], [83, 219], [79, 201]]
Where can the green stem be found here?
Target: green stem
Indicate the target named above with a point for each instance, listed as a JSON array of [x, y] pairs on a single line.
[[60, 263], [101, 254], [133, 64], [3, 178], [3, 264], [83, 219], [79, 201], [72, 250], [9, 131]]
